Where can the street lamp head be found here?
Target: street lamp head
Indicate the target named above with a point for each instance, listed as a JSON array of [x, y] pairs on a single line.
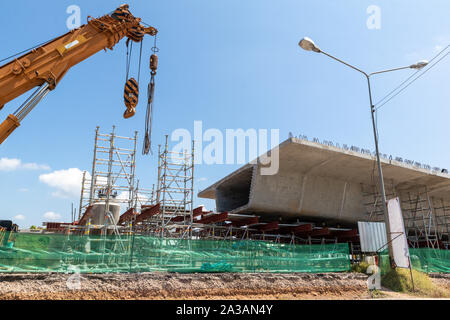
[[308, 45], [419, 65]]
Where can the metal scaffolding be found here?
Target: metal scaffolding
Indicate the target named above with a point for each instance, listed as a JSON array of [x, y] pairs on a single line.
[[113, 172], [143, 197], [426, 219], [373, 200], [175, 188], [172, 211], [418, 215], [442, 214]]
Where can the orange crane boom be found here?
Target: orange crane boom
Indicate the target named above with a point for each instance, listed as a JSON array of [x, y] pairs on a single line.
[[45, 66]]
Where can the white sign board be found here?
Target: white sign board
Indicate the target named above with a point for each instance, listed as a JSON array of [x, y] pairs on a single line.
[[398, 236]]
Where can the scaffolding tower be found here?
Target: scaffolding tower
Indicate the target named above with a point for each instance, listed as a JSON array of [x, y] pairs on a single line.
[[143, 197], [113, 172], [373, 201], [442, 214], [426, 219], [419, 218], [174, 192]]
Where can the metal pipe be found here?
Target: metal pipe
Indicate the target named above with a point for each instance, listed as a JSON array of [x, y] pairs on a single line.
[[375, 135], [26, 101], [380, 174], [83, 181], [31, 102], [389, 70], [93, 176]]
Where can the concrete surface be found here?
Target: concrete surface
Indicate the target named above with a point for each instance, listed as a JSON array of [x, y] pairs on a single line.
[[317, 181]]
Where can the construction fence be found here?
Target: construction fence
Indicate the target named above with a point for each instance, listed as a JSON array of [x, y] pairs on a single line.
[[422, 259], [43, 253]]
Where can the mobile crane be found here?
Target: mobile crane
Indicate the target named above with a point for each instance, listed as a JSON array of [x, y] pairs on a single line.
[[44, 66]]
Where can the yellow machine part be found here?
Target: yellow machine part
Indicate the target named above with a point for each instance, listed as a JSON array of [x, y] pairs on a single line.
[[8, 126]]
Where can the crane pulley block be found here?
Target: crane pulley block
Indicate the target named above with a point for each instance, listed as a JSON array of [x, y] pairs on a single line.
[[154, 63], [136, 33], [122, 13], [131, 97]]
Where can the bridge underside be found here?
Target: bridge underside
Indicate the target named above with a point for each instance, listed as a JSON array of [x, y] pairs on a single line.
[[330, 185]]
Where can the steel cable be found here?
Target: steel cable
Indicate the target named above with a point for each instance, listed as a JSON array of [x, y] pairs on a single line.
[[380, 103]]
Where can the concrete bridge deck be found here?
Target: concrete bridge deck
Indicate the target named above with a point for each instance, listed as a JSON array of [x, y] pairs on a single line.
[[319, 182]]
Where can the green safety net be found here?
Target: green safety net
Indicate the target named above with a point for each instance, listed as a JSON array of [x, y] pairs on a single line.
[[104, 254], [422, 259]]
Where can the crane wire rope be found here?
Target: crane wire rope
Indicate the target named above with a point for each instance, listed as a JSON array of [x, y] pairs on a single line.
[[147, 145], [128, 58], [37, 46], [140, 60], [28, 50]]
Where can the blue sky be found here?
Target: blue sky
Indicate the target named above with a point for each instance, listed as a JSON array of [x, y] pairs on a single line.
[[232, 64]]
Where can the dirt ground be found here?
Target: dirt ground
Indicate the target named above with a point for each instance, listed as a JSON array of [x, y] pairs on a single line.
[[442, 280], [191, 286]]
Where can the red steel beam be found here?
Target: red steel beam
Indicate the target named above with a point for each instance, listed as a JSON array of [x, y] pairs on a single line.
[[215, 218], [303, 228], [244, 222], [53, 226], [297, 229], [127, 215], [315, 233], [270, 226], [222, 217], [179, 218], [320, 232], [197, 211], [84, 219], [345, 234], [148, 212]]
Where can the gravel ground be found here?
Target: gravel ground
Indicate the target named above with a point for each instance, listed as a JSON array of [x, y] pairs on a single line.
[[184, 286], [441, 279], [167, 286]]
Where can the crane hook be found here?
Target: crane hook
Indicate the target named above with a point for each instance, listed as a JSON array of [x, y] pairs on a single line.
[[131, 97]]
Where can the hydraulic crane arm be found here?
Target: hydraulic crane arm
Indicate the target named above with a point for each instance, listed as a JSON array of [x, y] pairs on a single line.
[[45, 66]]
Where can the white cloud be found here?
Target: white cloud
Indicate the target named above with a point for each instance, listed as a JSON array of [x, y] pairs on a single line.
[[52, 216], [7, 164], [124, 196], [19, 217], [143, 198], [35, 166], [23, 190], [67, 183], [202, 179]]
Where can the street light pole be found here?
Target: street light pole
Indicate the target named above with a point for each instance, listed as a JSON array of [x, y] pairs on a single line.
[[380, 174], [309, 45]]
